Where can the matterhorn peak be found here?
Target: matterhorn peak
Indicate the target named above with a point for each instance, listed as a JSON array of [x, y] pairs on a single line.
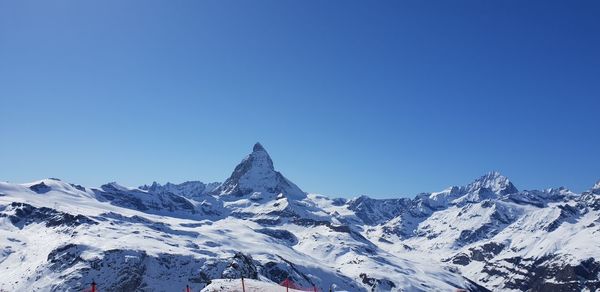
[[258, 147], [259, 158], [255, 175]]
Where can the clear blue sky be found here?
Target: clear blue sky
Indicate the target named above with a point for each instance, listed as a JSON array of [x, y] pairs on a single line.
[[386, 98]]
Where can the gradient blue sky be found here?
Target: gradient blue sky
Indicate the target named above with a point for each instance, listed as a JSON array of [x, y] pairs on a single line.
[[386, 98]]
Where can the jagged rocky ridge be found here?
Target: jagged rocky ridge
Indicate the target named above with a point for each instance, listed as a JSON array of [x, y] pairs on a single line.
[[258, 224]]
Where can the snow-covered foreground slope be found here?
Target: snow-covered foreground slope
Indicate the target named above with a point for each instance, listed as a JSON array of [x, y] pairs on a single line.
[[231, 285], [56, 236]]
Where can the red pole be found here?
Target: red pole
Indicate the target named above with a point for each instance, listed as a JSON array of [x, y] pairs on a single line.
[[187, 288], [243, 286], [314, 288], [287, 285], [93, 286]]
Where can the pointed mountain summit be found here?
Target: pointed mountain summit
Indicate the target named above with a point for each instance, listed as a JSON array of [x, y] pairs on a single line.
[[255, 175], [596, 188], [494, 182], [258, 147], [489, 186]]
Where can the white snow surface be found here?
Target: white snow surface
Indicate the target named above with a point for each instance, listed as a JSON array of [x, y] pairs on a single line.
[[233, 285]]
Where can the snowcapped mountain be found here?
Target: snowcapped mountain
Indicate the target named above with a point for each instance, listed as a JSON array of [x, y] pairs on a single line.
[[596, 188], [57, 236], [255, 177], [195, 190]]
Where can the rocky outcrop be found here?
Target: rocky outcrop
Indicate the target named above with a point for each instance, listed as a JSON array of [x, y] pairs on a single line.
[[21, 215]]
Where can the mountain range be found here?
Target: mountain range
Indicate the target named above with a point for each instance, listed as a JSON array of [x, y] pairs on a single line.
[[257, 224]]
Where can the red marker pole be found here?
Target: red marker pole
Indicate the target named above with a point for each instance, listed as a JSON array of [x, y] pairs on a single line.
[[287, 285], [187, 288], [93, 286]]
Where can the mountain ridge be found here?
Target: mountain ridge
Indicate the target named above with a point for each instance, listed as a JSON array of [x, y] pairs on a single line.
[[260, 225]]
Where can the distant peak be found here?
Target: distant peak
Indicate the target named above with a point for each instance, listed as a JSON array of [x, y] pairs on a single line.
[[258, 147], [596, 186], [113, 185], [492, 176], [494, 181]]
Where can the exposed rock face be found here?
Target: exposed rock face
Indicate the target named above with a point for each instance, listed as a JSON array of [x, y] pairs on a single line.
[[486, 251], [568, 213], [373, 211], [239, 266], [377, 284], [284, 236], [541, 198], [116, 270], [40, 188], [194, 190], [533, 274], [284, 270], [64, 257], [256, 175], [21, 215], [481, 253], [158, 202], [493, 181]]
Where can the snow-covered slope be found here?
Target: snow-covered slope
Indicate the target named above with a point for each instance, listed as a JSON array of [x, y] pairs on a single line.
[[56, 236], [232, 285]]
